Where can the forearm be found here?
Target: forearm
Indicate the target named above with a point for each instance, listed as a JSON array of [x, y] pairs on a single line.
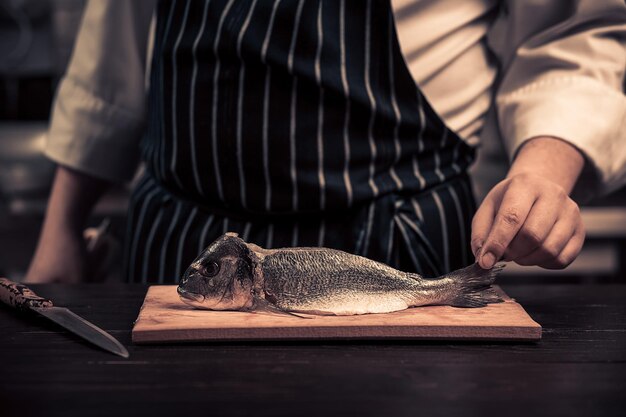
[[60, 253], [72, 198], [551, 158]]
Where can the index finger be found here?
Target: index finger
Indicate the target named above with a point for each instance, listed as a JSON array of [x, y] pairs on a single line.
[[510, 216], [482, 222]]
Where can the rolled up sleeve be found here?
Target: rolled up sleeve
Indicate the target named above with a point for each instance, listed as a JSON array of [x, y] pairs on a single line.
[[563, 75], [98, 114]]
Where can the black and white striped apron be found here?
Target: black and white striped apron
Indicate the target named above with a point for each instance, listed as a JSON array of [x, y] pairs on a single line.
[[293, 123]]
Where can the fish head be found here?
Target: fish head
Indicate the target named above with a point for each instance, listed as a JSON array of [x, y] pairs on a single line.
[[221, 278]]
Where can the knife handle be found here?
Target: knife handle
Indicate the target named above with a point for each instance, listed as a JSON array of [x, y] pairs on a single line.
[[20, 296]]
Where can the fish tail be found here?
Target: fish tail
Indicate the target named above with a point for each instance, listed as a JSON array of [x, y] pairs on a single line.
[[472, 286]]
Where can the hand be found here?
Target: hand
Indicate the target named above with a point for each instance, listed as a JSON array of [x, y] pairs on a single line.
[[528, 217], [530, 220]]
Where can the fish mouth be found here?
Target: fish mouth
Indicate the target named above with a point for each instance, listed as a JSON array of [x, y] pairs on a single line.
[[190, 296]]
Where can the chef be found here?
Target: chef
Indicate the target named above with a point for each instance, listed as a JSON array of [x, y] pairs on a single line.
[[346, 124]]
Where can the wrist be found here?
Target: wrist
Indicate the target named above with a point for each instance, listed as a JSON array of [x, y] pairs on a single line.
[[551, 158]]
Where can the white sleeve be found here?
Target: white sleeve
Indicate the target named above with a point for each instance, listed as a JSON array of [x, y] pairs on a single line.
[[98, 113], [563, 76]]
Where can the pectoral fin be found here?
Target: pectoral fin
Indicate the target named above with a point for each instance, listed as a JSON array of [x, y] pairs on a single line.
[[261, 305]]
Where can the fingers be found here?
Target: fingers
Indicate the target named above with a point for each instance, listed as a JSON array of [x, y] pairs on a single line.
[[517, 201], [568, 254], [538, 225], [482, 222], [561, 246]]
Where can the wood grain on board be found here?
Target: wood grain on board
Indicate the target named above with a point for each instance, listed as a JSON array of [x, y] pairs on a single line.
[[164, 318]]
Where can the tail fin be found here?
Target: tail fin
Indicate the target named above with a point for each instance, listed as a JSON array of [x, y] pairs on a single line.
[[473, 286]]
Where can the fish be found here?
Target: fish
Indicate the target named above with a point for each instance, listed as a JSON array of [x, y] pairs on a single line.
[[231, 274]]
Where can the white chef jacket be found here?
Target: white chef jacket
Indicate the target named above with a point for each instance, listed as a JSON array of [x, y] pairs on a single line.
[[512, 69]]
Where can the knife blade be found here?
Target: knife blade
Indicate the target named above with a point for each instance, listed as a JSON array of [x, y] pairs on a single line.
[[22, 298]]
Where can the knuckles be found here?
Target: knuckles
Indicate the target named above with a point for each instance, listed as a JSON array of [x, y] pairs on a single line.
[[496, 247], [559, 194], [563, 261], [511, 216], [560, 262], [573, 208], [477, 243], [552, 252], [537, 185], [532, 238], [523, 179]]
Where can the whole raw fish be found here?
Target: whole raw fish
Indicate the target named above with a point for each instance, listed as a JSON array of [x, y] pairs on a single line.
[[234, 275]]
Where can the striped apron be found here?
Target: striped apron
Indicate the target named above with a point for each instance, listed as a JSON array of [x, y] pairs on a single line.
[[293, 123]]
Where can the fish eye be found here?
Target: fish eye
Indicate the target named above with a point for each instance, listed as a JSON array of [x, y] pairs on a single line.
[[211, 269]]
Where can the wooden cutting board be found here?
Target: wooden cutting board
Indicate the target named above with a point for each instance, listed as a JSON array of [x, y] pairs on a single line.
[[164, 318]]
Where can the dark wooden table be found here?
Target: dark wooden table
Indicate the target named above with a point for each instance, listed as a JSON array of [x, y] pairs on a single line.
[[579, 368]]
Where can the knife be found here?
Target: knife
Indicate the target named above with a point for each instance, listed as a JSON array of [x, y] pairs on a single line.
[[23, 298]]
